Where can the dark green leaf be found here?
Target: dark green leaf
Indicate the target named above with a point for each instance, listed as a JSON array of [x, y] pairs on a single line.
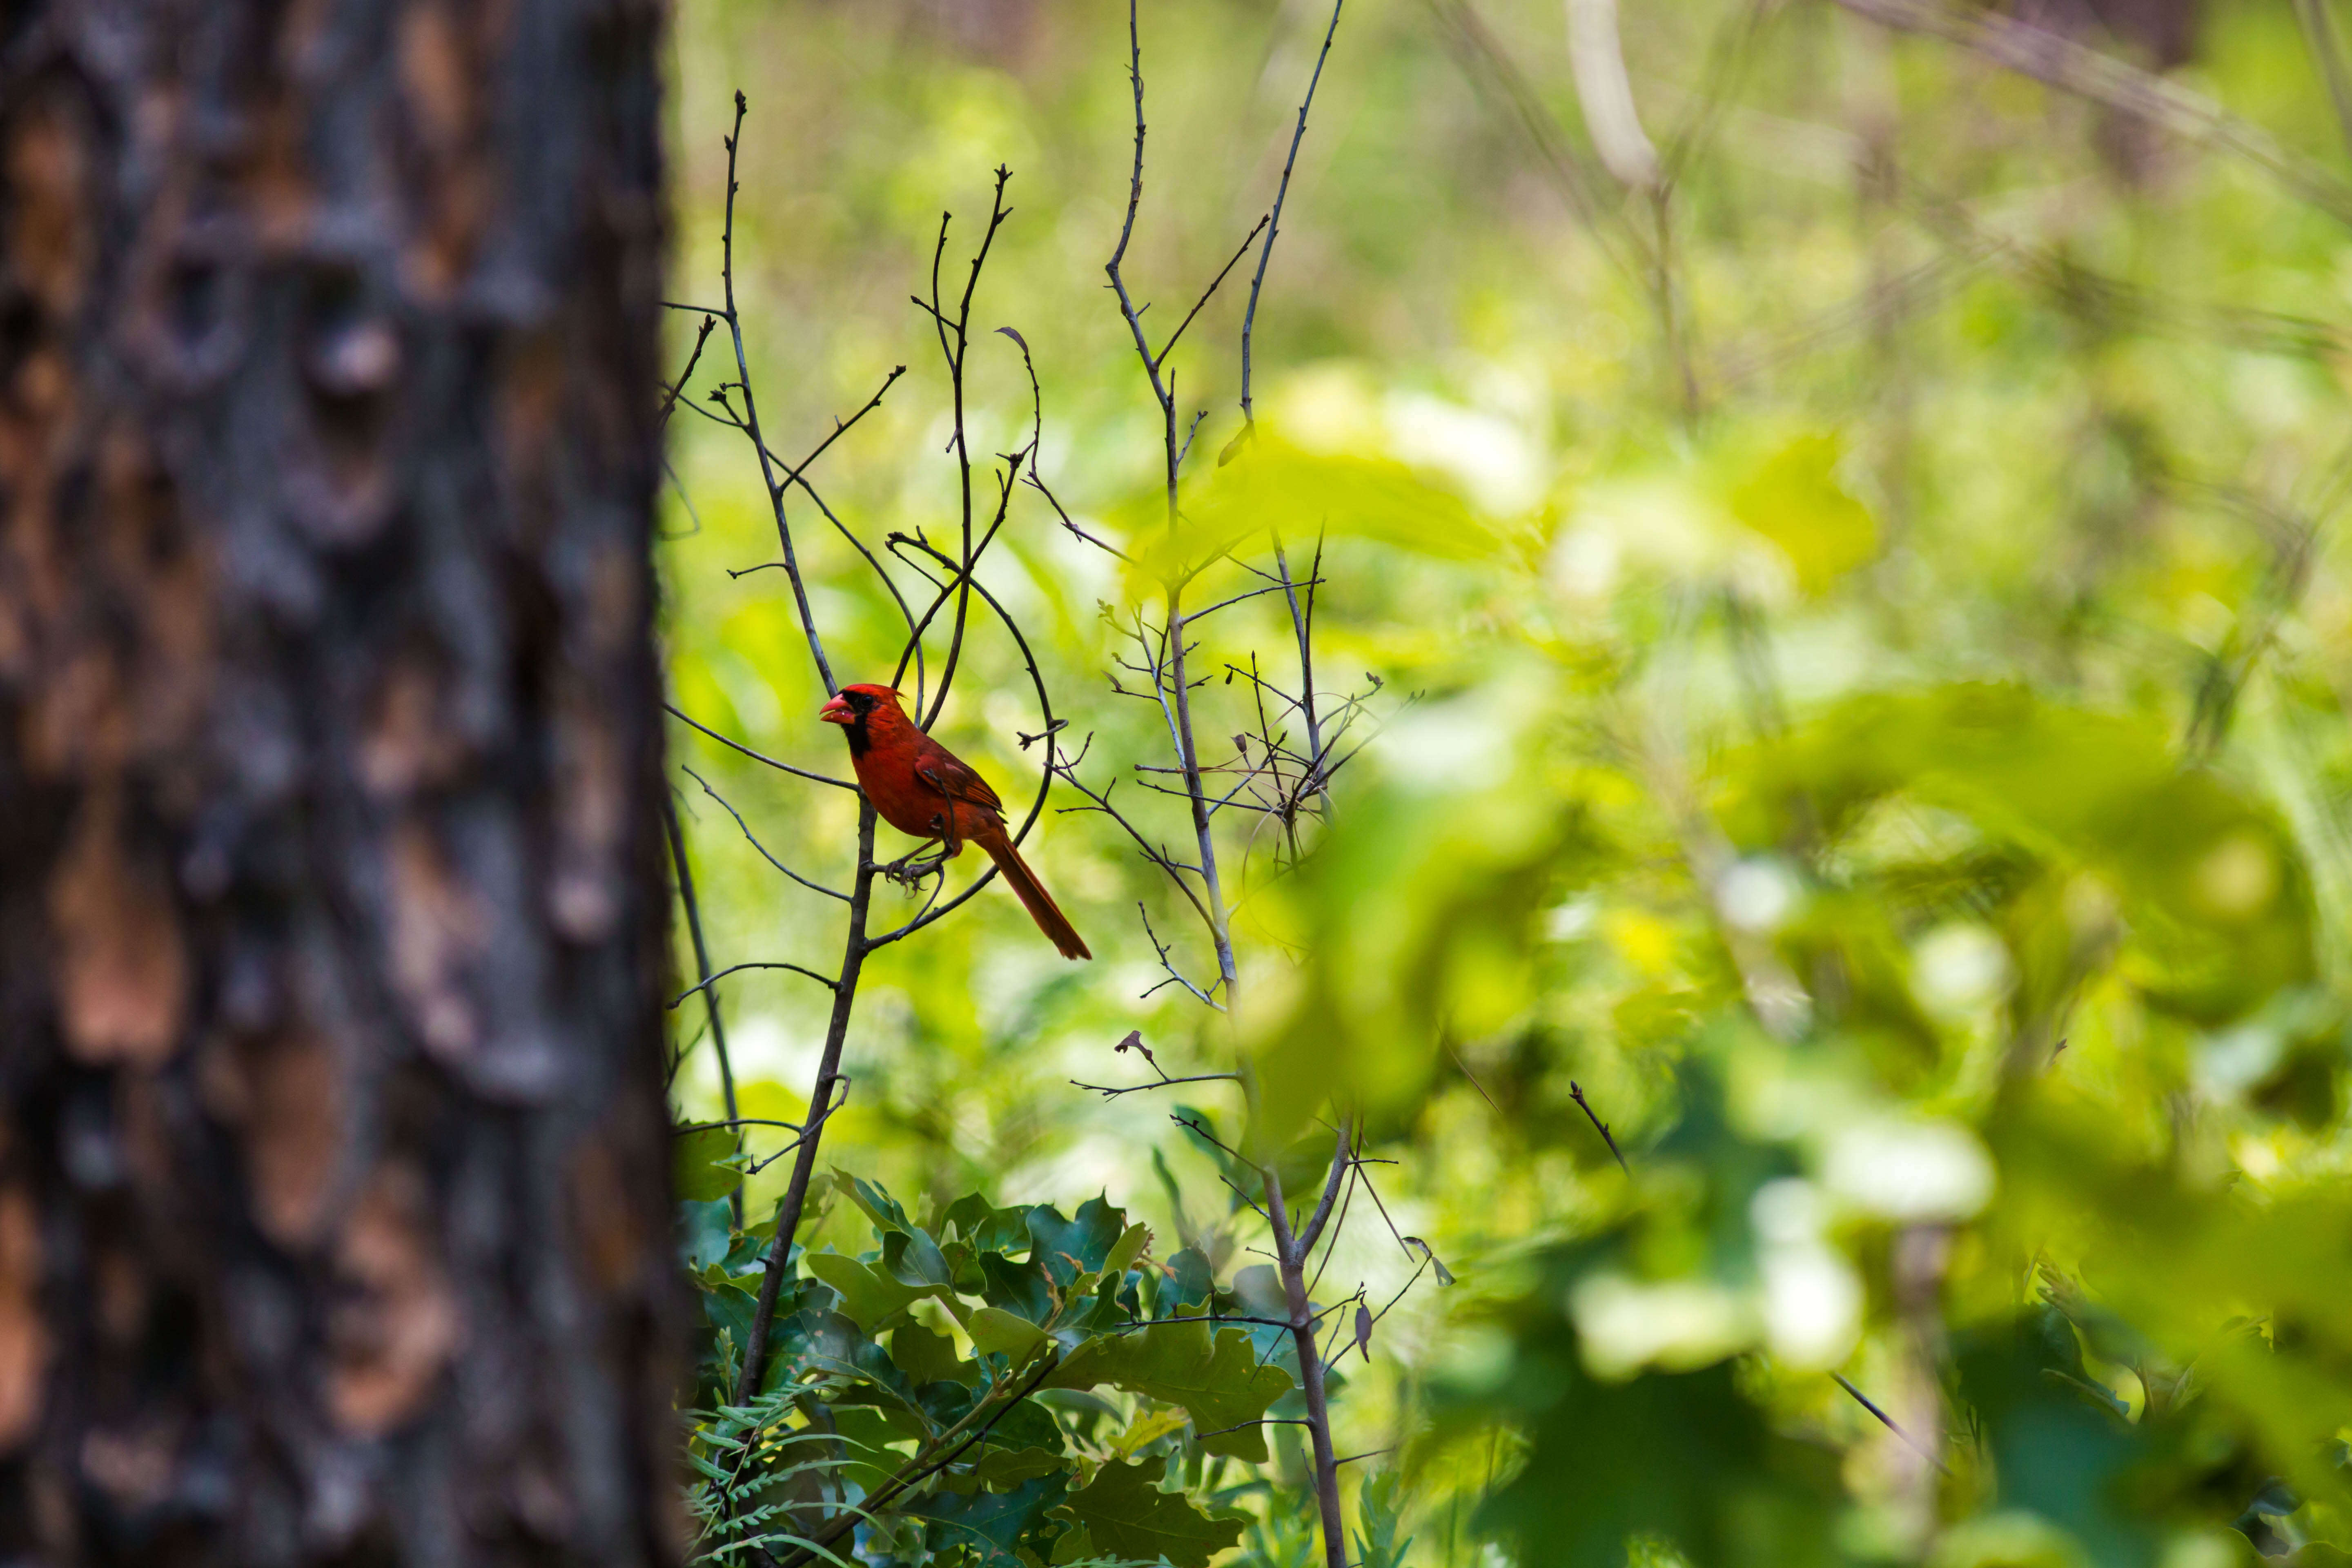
[[697, 1174], [1127, 1516], [1067, 1248]]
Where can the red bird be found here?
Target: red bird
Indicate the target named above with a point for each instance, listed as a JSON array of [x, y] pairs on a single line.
[[920, 788]]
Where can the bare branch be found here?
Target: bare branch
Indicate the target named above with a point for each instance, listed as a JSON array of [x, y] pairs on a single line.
[[1273, 217], [708, 980], [1170, 347], [754, 842], [1888, 1422], [751, 420], [758, 756], [677, 836], [1577, 1094], [669, 398]]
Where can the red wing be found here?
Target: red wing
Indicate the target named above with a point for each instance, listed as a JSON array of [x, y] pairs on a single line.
[[940, 769]]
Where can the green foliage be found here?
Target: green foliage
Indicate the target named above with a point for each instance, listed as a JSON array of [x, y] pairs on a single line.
[[702, 1164], [912, 1437], [1217, 1378], [1377, 1505], [1794, 499], [1122, 1511]]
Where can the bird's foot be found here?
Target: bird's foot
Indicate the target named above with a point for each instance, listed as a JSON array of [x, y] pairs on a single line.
[[910, 871]]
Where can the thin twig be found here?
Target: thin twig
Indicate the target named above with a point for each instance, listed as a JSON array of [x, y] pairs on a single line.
[[756, 756], [669, 398], [1109, 1093], [708, 980], [753, 840], [1577, 1094], [775, 490], [676, 835], [1888, 1422], [1274, 217], [998, 213], [1170, 347]]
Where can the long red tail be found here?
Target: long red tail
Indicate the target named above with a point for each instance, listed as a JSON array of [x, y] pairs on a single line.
[[1030, 892]]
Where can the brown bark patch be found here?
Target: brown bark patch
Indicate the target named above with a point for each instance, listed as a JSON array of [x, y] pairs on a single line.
[[439, 85], [436, 930], [604, 1220], [293, 1136], [134, 1466], [585, 900], [121, 964], [23, 1338], [394, 1333], [78, 716], [408, 746], [48, 227], [121, 1295]]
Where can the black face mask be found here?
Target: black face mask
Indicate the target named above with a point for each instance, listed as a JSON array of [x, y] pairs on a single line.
[[855, 729]]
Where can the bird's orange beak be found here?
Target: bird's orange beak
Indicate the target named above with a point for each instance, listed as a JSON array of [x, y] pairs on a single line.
[[838, 711]]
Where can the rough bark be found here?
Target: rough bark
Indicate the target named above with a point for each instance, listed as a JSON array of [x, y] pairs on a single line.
[[333, 1157]]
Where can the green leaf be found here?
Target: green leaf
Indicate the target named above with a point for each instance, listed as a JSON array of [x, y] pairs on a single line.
[[1018, 1287], [990, 1524], [817, 1339], [1794, 499], [984, 1227], [696, 1173], [1188, 1284], [703, 1236], [1125, 1515], [1132, 1243], [1377, 1517], [998, 1333], [1065, 1249], [2060, 1448], [876, 1205], [868, 1295], [868, 1434], [927, 1357], [999, 1468], [1219, 1381], [1272, 484], [912, 1258]]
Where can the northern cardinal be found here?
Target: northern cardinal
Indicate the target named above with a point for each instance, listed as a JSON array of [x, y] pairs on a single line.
[[920, 788]]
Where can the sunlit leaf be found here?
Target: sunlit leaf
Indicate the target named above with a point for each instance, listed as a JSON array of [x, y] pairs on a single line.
[[1220, 1381]]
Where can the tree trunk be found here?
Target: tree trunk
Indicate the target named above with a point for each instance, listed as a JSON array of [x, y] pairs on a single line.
[[334, 1218]]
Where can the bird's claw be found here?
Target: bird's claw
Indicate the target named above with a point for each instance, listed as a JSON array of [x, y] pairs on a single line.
[[910, 871]]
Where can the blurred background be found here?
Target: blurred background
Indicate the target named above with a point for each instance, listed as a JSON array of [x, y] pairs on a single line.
[[1855, 619]]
